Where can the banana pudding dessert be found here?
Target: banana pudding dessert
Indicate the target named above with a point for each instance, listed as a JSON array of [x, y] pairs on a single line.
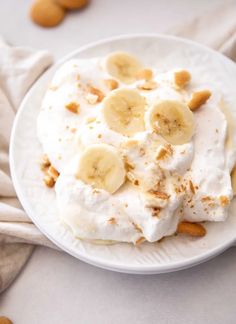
[[135, 153]]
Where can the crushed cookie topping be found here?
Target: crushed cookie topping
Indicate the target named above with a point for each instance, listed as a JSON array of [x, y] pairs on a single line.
[[206, 199], [193, 229], [164, 152], [112, 221], [45, 163], [198, 99], [148, 85], [159, 194], [182, 78], [128, 166], [156, 211], [52, 87], [49, 181], [73, 107], [140, 240], [53, 172], [111, 84], [50, 173], [142, 151], [130, 143], [144, 74], [210, 201], [137, 227], [90, 120], [160, 184], [96, 92], [130, 176], [132, 179], [177, 190], [224, 200], [191, 186], [91, 98]]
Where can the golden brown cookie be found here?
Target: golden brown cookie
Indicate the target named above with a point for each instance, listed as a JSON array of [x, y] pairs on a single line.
[[47, 13], [5, 320], [72, 4], [193, 229]]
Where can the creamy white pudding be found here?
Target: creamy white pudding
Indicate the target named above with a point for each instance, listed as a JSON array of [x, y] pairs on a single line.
[[138, 150]]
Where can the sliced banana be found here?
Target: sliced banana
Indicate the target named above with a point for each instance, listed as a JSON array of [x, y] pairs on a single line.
[[100, 165], [173, 120], [123, 66], [123, 111]]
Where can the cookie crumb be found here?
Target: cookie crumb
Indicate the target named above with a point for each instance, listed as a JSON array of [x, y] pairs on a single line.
[[198, 99], [73, 107], [224, 201], [182, 78], [144, 74], [111, 84], [148, 85], [191, 186], [112, 221], [140, 240]]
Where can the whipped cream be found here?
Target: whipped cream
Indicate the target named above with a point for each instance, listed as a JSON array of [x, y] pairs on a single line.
[[195, 176]]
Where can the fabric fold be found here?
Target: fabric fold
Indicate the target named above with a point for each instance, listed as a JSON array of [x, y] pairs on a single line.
[[19, 69], [216, 29]]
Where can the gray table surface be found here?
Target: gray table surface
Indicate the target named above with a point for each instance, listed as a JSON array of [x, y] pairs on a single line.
[[55, 288]]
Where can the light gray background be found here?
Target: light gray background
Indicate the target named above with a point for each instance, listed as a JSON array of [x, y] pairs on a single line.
[[55, 288]]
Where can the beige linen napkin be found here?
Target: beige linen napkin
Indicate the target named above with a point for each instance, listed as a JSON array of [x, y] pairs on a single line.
[[19, 68], [216, 29]]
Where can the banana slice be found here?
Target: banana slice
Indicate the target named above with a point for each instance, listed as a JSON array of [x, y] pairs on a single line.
[[123, 111], [100, 165], [123, 66], [173, 120]]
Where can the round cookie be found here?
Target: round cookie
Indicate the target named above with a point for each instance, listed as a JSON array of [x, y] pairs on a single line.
[[5, 320], [47, 13], [72, 4]]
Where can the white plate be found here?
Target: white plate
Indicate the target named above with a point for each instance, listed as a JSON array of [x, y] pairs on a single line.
[[172, 253]]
